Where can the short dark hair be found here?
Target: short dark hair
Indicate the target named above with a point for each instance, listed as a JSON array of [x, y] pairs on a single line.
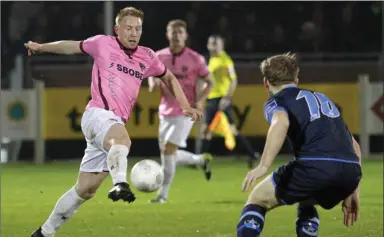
[[217, 36], [280, 69]]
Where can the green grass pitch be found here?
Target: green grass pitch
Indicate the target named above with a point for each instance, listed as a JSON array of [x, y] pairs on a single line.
[[196, 208]]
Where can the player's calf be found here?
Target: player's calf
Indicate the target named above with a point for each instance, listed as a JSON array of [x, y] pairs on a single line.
[[264, 194], [70, 202], [204, 161], [251, 222], [65, 208], [88, 183], [168, 163], [307, 222], [261, 199]]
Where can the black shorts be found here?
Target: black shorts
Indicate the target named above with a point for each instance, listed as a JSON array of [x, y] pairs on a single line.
[[213, 107], [327, 182]]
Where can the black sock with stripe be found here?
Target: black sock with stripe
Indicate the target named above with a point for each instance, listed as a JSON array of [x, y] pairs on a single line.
[[251, 221]]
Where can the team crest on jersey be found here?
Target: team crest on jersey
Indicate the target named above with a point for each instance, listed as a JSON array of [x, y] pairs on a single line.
[[142, 67], [184, 69]]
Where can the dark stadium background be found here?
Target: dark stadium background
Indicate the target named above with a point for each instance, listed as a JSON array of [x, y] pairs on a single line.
[[341, 39]]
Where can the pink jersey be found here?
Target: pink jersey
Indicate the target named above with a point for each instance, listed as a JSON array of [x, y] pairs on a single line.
[[118, 72], [187, 66]]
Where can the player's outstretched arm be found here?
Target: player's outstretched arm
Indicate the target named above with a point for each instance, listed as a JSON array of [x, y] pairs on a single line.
[[59, 47], [275, 138], [175, 88]]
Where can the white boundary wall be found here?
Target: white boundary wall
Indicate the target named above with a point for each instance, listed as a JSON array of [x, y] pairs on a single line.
[[21, 119], [371, 122]]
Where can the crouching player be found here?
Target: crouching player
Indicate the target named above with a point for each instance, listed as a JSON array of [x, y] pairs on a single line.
[[327, 165]]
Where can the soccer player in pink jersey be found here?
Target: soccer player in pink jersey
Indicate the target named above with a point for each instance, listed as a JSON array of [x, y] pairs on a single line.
[[188, 66], [119, 67]]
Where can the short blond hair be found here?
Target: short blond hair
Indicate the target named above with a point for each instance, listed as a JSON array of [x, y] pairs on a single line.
[[177, 23], [129, 11], [280, 69]]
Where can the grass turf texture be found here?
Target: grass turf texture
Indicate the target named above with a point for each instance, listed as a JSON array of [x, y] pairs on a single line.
[[196, 207]]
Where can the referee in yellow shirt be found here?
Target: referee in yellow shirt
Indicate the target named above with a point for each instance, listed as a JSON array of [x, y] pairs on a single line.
[[225, 81]]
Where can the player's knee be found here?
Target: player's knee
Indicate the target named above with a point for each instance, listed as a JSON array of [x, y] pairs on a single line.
[[262, 202], [117, 135], [169, 149], [88, 183], [125, 141], [264, 195], [86, 192]]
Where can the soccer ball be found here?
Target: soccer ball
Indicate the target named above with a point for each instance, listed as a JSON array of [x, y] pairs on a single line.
[[147, 176]]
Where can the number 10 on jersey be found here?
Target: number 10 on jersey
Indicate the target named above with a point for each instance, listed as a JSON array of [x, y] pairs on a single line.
[[317, 101]]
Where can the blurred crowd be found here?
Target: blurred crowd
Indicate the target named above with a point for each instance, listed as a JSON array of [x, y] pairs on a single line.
[[248, 27]]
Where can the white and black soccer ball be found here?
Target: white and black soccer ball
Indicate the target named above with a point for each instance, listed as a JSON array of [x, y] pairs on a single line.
[[147, 176]]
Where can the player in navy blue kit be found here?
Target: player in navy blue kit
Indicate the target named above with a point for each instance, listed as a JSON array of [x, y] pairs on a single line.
[[327, 165]]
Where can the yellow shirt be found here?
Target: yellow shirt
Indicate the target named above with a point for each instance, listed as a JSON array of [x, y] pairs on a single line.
[[223, 72]]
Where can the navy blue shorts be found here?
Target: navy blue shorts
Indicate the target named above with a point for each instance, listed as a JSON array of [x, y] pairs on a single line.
[[328, 182], [213, 107]]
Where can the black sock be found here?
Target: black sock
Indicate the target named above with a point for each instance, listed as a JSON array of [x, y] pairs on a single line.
[[205, 146], [251, 221], [250, 151], [307, 223]]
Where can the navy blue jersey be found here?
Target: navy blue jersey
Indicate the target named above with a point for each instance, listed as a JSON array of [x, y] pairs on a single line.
[[316, 128]]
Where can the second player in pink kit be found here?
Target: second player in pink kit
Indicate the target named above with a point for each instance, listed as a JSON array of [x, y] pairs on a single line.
[[188, 66], [120, 66]]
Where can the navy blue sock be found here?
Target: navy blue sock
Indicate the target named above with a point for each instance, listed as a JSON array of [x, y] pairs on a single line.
[[307, 223], [251, 221], [205, 146], [250, 151]]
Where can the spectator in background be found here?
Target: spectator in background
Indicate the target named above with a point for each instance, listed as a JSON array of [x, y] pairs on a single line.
[[251, 34], [191, 20], [39, 28], [224, 29], [252, 27], [346, 32], [249, 45], [321, 30], [278, 41], [308, 38], [100, 22]]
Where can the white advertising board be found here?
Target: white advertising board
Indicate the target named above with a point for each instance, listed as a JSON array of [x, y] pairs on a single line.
[[19, 114]]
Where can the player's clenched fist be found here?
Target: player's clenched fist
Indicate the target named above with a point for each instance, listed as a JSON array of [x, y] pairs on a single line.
[[32, 47], [195, 114]]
